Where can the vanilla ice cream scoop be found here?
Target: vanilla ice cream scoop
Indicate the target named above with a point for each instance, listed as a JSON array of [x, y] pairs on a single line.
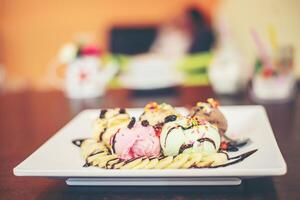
[[155, 113]]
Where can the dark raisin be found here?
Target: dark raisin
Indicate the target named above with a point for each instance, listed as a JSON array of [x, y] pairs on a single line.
[[122, 111], [145, 123], [232, 148], [131, 123], [170, 118], [102, 113], [240, 143]]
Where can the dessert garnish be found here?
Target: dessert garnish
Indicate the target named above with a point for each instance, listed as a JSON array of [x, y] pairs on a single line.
[[214, 103], [151, 106], [102, 113], [131, 123], [122, 111], [145, 123], [170, 118]]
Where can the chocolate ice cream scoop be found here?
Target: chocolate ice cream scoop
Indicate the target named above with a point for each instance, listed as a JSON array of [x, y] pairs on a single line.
[[210, 112]]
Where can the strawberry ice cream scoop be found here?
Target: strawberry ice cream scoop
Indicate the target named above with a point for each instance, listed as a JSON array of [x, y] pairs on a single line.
[[136, 140]]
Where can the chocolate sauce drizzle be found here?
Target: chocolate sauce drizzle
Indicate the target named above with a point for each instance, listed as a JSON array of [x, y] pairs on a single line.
[[171, 129], [95, 153], [102, 113], [113, 141], [226, 154], [101, 134], [131, 123], [195, 112], [205, 139], [87, 164], [113, 165], [107, 163], [131, 160], [184, 147], [78, 142], [141, 115], [238, 158], [161, 157]]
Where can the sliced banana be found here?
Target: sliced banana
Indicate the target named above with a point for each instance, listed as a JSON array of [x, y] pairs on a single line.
[[101, 161], [132, 164], [142, 165], [164, 162], [178, 161], [193, 159], [216, 159], [152, 164]]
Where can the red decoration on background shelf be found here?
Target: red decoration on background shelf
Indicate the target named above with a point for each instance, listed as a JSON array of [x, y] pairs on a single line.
[[90, 50]]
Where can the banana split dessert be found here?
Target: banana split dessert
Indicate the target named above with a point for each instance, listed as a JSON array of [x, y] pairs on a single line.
[[161, 138]]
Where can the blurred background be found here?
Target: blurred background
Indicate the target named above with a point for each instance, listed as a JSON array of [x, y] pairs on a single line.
[[87, 47], [59, 57]]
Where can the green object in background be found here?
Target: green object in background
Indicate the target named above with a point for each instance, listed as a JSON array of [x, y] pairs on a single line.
[[192, 63], [122, 61], [258, 66], [195, 67], [196, 80]]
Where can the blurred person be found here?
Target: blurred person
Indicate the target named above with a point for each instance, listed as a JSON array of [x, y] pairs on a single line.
[[186, 33], [202, 34]]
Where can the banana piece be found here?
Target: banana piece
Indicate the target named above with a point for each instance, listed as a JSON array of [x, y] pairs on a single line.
[[152, 164], [132, 164], [101, 161], [194, 158], [164, 162], [178, 161], [216, 159], [142, 165]]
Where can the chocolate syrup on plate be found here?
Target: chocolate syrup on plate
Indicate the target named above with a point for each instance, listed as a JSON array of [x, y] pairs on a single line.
[[78, 142]]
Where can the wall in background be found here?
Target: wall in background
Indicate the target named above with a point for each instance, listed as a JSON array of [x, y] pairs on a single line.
[[32, 31], [284, 15]]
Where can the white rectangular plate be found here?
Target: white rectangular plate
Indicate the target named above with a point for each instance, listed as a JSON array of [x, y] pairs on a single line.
[[58, 157]]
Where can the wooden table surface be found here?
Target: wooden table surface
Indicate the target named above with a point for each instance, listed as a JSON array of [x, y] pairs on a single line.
[[28, 119]]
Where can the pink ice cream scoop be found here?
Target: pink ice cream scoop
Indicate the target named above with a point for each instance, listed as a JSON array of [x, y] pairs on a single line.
[[136, 140]]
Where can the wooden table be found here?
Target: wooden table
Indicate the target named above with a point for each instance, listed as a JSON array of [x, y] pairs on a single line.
[[28, 119]]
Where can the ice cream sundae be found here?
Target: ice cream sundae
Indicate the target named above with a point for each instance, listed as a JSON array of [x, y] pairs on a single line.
[[161, 138]]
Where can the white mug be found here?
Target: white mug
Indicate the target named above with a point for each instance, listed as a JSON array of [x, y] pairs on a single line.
[[86, 77]]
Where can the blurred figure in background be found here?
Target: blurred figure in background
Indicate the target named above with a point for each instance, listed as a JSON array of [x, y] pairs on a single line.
[[186, 33], [202, 34]]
